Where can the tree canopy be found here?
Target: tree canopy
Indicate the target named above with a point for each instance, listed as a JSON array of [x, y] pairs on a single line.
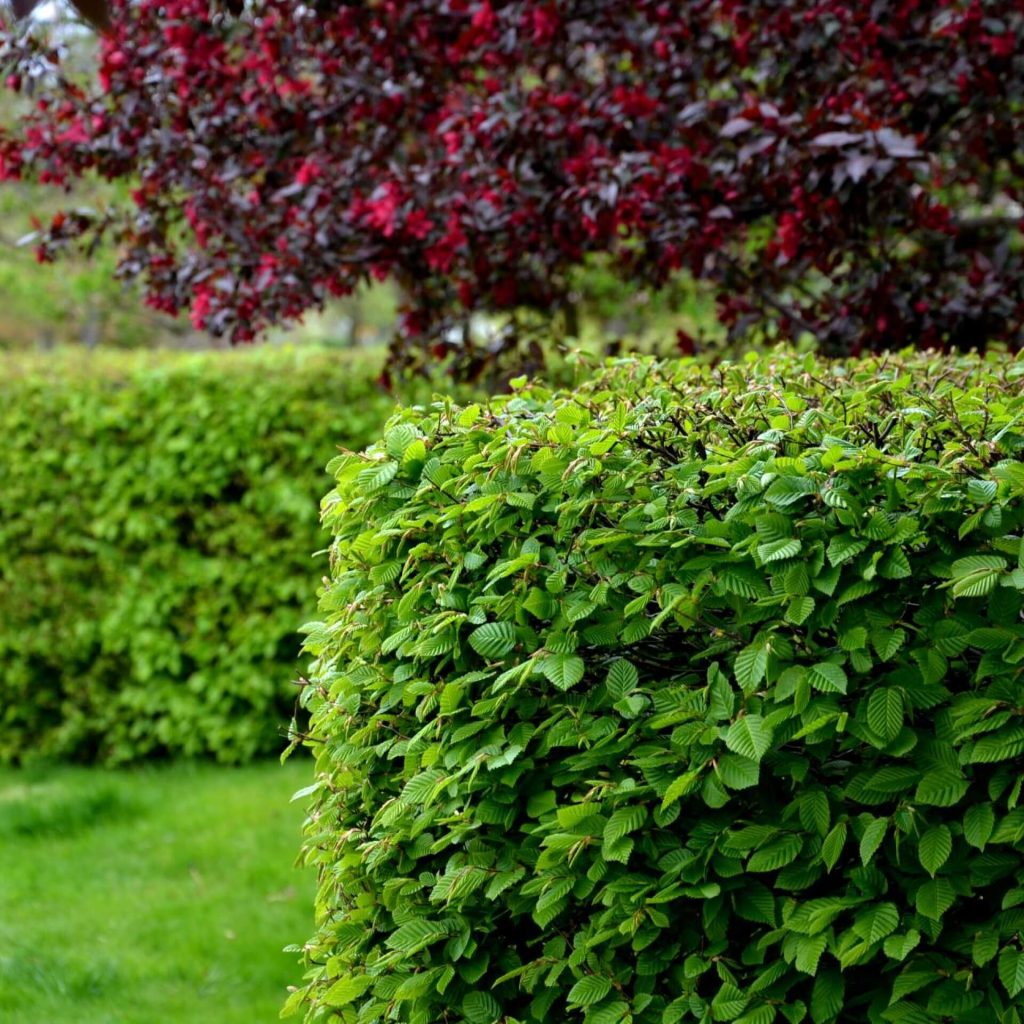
[[848, 172]]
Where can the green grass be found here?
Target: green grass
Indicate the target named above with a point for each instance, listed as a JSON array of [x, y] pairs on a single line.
[[155, 896]]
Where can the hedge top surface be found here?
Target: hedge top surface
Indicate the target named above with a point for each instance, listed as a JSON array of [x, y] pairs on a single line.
[[691, 695]]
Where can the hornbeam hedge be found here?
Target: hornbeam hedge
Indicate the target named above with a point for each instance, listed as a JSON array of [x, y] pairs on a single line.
[[157, 518], [691, 695]]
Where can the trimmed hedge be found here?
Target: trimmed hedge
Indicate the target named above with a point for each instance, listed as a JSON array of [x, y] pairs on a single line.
[[692, 695], [157, 517]]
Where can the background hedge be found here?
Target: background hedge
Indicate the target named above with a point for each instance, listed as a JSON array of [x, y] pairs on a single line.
[[158, 514], [692, 695]]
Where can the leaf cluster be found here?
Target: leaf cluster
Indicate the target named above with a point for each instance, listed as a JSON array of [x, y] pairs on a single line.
[[691, 695]]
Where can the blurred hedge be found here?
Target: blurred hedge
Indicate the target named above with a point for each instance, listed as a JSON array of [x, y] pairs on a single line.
[[158, 514]]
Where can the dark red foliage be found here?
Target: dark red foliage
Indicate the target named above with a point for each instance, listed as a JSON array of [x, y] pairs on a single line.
[[853, 171]]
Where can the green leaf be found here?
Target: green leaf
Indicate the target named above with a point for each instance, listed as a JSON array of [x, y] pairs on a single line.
[[977, 575], [376, 478], [481, 1008], [885, 713], [493, 639], [346, 991], [984, 947], [815, 814], [415, 935], [841, 549], [964, 567], [624, 821], [750, 737], [978, 824], [622, 678], [934, 898], [942, 787], [877, 922], [738, 772], [563, 670], [776, 854], [1011, 971], [799, 610], [934, 848], [899, 947], [808, 952], [589, 990], [610, 1013], [827, 997], [680, 787], [750, 666], [778, 550], [871, 839], [827, 677], [833, 845], [1004, 745]]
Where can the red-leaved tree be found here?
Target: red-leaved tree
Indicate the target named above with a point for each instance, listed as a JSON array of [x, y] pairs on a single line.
[[851, 171]]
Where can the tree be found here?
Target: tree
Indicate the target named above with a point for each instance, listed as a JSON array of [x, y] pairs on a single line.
[[848, 171]]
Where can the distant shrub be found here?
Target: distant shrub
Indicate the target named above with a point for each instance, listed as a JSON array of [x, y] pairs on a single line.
[[157, 518], [691, 695]]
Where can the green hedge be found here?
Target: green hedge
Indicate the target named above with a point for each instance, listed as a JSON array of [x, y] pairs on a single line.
[[158, 514], [692, 695]]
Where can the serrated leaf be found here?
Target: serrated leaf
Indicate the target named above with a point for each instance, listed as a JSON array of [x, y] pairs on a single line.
[[984, 947], [871, 839], [737, 772], [481, 1008], [779, 550], [680, 787], [827, 997], [610, 1013], [749, 737], [964, 567], [978, 824], [877, 922], [899, 947], [622, 678], [624, 821], [833, 845], [376, 478], [347, 990], [799, 610], [844, 547], [808, 952], [563, 670], [415, 935], [589, 990], [814, 811], [885, 713], [942, 787], [493, 639], [827, 677], [750, 666], [887, 642], [934, 898], [1011, 971], [1004, 745], [776, 854]]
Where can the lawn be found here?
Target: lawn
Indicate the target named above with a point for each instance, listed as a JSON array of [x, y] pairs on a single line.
[[155, 896]]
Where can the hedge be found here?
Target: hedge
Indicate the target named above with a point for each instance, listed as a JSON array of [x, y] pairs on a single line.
[[158, 513], [691, 695]]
